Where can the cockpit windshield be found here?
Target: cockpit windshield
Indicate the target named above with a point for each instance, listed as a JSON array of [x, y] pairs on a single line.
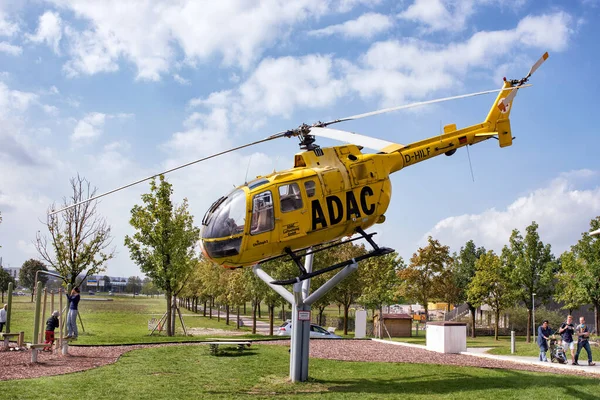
[[227, 218]]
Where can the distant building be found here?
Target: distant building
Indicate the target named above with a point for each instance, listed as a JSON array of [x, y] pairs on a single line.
[[13, 271]]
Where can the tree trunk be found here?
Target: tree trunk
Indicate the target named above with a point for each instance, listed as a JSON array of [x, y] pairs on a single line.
[[210, 307], [339, 309], [259, 316], [346, 308], [237, 323], [597, 317], [529, 324], [244, 308], [204, 312], [283, 311], [271, 318], [169, 312], [426, 307], [254, 306], [227, 314], [321, 311], [496, 324], [218, 313], [473, 311], [380, 327]]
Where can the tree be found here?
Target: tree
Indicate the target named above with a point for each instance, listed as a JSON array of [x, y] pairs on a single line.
[[134, 284], [5, 279], [277, 269], [568, 290], [491, 285], [148, 287], [587, 252], [379, 280], [164, 243], [348, 290], [79, 238], [419, 279], [107, 283], [27, 274], [532, 265], [464, 271], [256, 290]]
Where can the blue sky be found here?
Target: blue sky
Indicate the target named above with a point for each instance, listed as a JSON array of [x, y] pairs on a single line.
[[119, 90]]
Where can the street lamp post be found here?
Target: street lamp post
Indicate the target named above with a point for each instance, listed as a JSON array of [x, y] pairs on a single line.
[[533, 315]]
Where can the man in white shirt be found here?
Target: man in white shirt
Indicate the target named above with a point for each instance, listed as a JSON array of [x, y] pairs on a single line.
[[3, 316]]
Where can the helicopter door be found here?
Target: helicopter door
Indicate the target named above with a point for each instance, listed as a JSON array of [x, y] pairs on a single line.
[[292, 210], [263, 219]]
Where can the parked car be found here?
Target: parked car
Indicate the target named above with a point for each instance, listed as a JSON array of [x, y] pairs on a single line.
[[316, 331]]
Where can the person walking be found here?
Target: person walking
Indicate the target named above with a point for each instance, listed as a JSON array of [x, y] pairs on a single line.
[[583, 336], [73, 299], [51, 325], [3, 315], [566, 331], [544, 333]]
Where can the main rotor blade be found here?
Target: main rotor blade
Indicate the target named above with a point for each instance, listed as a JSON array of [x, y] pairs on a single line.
[[420, 103], [351, 137], [276, 136]]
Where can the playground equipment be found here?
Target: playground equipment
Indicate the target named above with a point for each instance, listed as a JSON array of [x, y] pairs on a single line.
[[8, 334]]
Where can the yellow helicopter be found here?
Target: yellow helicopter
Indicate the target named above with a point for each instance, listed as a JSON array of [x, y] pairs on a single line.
[[330, 193]]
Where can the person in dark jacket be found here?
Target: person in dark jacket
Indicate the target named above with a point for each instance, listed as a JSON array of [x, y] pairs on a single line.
[[544, 333], [72, 316], [51, 325]]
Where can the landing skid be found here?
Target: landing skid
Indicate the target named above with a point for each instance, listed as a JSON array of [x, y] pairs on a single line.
[[376, 252]]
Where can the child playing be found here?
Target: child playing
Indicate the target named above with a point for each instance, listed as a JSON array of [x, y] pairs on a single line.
[[51, 325]]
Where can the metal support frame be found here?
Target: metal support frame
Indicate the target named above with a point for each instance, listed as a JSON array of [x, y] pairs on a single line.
[[300, 300]]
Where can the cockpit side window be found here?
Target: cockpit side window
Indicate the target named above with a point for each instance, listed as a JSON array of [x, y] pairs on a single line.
[[309, 186], [263, 219], [289, 197]]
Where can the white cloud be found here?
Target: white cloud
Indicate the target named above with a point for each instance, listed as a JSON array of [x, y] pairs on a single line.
[[179, 79], [51, 110], [438, 15], [562, 210], [10, 49], [152, 33], [401, 69], [49, 30], [92, 125], [89, 127], [7, 27], [365, 26]]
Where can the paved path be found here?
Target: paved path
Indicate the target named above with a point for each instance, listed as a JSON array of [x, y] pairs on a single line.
[[482, 353]]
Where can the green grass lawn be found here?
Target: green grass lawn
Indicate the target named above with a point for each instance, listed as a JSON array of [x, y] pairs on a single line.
[[500, 346], [122, 320], [191, 373]]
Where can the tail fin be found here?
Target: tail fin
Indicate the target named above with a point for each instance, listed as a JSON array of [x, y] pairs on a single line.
[[498, 117]]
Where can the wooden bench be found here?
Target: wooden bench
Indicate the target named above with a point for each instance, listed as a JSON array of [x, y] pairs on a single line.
[[214, 346], [7, 336], [35, 347]]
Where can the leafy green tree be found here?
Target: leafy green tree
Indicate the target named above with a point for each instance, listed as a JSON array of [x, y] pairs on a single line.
[[210, 279], [379, 280], [491, 285], [464, 272], [148, 287], [532, 265], [348, 290], [256, 290], [107, 283], [277, 269], [419, 280], [587, 252], [27, 274], [80, 239], [568, 290], [5, 279], [237, 291], [164, 244], [134, 284]]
